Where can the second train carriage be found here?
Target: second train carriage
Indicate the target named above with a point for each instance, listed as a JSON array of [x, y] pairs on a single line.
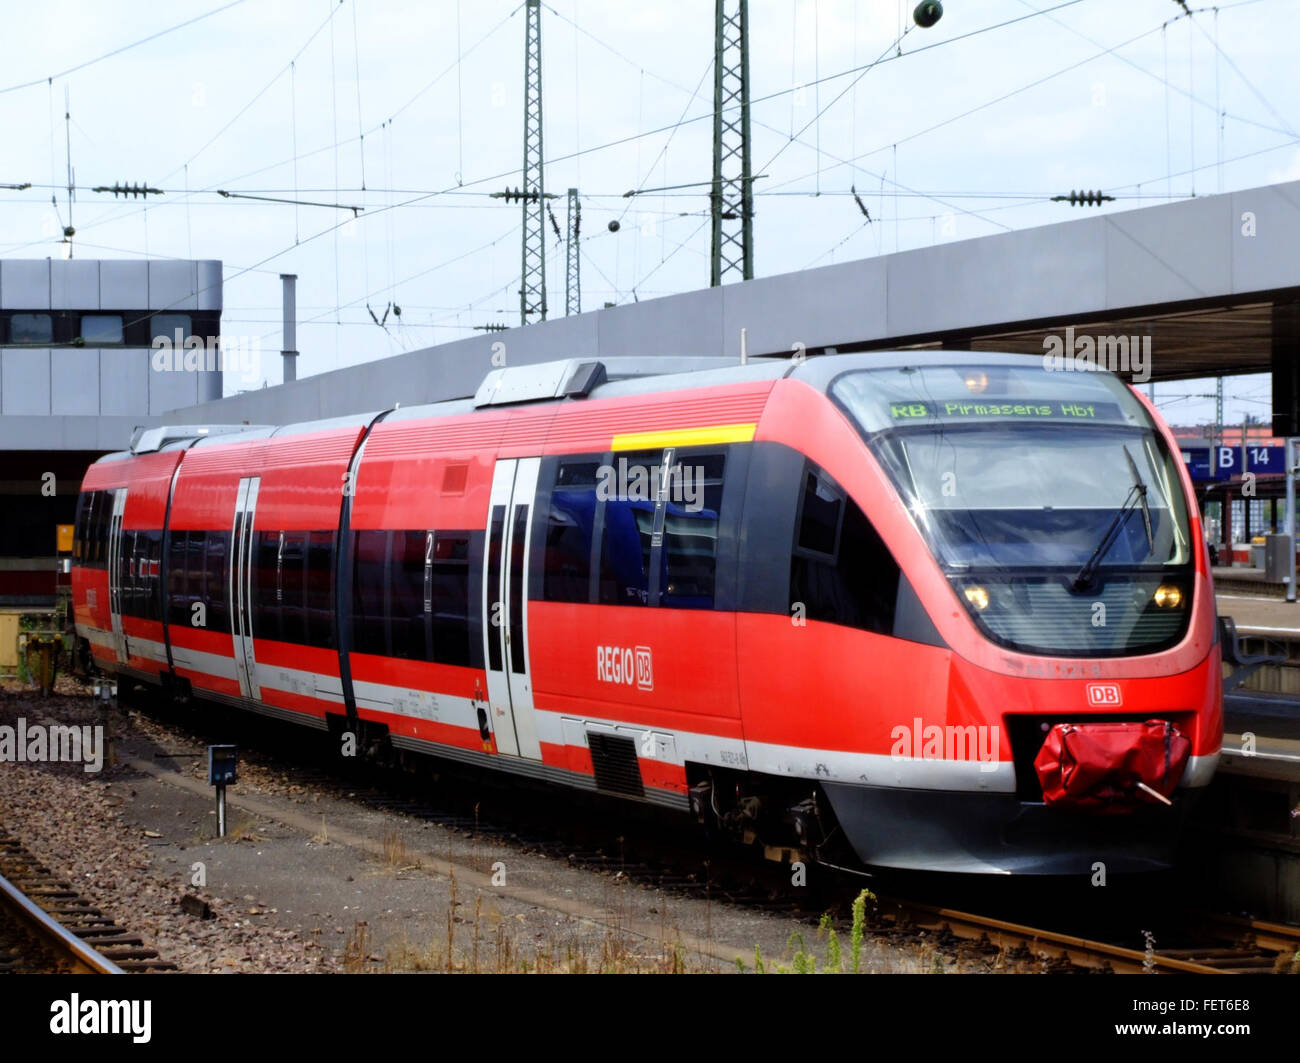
[[839, 606]]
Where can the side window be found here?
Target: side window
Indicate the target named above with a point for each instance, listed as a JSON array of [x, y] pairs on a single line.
[[451, 628], [320, 590], [85, 503], [627, 488], [841, 571], [177, 607], [409, 620], [214, 579], [369, 620], [293, 604], [184, 571], [568, 533], [267, 593], [690, 539], [97, 528], [126, 573], [148, 552]]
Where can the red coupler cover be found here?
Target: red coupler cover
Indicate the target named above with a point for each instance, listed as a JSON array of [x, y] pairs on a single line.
[[1096, 767]]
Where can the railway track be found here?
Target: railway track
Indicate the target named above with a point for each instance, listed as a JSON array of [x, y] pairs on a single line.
[[47, 927], [1190, 942], [1221, 945]]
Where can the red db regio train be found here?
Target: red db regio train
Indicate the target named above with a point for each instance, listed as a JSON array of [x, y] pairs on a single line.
[[924, 610]]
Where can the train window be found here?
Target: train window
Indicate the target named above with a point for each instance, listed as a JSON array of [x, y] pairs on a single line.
[[85, 501], [217, 546], [518, 579], [856, 583], [567, 576], [823, 506], [369, 582], [101, 328], [177, 609], [627, 489], [184, 575], [166, 327], [267, 593], [97, 528], [496, 535], [104, 518], [292, 587], [148, 585], [88, 552], [690, 539], [452, 642], [125, 567], [320, 590], [31, 328], [408, 616]]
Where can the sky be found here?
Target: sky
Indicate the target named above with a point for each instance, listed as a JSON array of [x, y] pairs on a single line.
[[413, 112]]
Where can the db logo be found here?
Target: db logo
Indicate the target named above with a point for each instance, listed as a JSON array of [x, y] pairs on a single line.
[[1104, 694], [645, 676], [625, 665]]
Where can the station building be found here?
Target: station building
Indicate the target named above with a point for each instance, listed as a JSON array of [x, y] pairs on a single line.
[[77, 377]]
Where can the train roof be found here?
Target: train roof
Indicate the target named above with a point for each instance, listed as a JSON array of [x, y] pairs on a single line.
[[576, 379]]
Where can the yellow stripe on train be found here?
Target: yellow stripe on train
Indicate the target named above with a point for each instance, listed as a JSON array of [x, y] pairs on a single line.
[[685, 437]]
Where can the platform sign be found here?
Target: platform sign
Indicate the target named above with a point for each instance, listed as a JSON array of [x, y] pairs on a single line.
[[1197, 460], [1265, 460], [1262, 461]]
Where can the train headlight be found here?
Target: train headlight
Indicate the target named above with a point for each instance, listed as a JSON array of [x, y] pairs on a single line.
[[977, 596], [1167, 596]]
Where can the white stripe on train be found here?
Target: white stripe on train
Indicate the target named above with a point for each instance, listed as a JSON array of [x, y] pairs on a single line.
[[677, 747]]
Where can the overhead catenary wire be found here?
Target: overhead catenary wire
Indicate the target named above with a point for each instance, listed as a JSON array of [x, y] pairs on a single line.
[[329, 20], [397, 205], [579, 153], [120, 50]]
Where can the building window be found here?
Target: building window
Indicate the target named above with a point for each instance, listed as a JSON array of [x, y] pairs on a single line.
[[165, 327], [31, 328], [97, 329]]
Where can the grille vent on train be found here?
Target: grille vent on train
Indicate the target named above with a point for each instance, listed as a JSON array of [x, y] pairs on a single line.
[[614, 759]]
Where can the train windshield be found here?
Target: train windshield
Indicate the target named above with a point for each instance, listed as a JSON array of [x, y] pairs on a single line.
[[1048, 497]]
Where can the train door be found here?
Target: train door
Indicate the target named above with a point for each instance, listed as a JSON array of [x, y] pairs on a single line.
[[505, 607], [242, 555], [115, 574]]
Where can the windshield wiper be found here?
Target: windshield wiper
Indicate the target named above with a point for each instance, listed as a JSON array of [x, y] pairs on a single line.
[[1137, 495], [1141, 488]]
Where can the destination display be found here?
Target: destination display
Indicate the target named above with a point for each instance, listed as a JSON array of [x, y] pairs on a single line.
[[1029, 410]]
